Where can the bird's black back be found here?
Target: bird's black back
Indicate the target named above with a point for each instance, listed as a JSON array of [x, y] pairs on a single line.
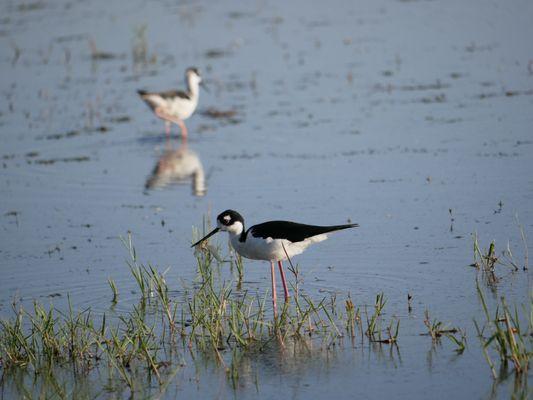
[[169, 94], [291, 231]]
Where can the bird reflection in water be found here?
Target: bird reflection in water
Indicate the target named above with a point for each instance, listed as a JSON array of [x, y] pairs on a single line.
[[176, 167]]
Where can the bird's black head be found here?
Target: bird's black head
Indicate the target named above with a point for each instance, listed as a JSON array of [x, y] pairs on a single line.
[[228, 219], [193, 77], [193, 71]]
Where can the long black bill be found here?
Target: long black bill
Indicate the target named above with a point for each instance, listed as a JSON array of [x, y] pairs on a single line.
[[206, 236], [204, 86]]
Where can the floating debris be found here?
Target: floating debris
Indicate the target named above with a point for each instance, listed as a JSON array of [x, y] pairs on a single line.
[[216, 113], [74, 133], [216, 53], [65, 160], [120, 119]]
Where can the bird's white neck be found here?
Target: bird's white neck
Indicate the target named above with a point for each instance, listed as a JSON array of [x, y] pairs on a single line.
[[194, 86], [235, 230]]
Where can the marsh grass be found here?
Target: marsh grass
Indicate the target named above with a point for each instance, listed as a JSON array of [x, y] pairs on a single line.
[[208, 318], [141, 57], [437, 329], [238, 263], [374, 330], [353, 317], [505, 333], [114, 289], [487, 260]]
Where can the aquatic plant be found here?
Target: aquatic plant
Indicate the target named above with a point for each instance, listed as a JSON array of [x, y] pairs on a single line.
[[487, 260], [114, 289], [437, 329], [210, 319], [503, 333], [374, 331]]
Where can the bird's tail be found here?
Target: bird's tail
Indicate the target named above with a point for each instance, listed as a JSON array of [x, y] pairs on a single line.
[[340, 227], [320, 230], [320, 233], [150, 99]]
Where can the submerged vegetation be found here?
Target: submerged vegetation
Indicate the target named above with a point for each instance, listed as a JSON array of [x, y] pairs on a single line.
[[212, 320]]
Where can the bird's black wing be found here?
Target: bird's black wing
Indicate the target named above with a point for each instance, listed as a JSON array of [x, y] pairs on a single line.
[[292, 231], [169, 94]]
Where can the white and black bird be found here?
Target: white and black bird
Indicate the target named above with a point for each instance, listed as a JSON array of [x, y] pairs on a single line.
[[176, 105], [272, 241]]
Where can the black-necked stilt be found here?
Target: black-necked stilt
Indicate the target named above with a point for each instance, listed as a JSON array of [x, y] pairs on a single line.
[[272, 241], [175, 105]]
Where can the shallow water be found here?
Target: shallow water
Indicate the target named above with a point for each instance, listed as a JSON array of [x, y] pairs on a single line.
[[388, 114]]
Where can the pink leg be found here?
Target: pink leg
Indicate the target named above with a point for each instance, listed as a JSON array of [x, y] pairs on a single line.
[[273, 276], [287, 295], [168, 118]]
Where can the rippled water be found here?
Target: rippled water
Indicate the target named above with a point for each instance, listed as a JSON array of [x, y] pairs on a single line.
[[385, 113]]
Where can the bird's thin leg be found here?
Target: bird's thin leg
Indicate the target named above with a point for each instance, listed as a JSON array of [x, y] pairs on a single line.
[[285, 290], [273, 277]]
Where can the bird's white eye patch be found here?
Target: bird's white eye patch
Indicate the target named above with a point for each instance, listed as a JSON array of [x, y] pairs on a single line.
[[226, 218]]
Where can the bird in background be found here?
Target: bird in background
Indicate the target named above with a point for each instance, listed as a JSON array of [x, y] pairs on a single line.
[[272, 241], [176, 105]]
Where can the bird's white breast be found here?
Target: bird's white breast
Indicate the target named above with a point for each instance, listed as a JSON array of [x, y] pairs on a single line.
[[271, 249], [182, 108]]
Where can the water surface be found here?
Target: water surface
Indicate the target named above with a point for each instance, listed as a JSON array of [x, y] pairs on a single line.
[[385, 113]]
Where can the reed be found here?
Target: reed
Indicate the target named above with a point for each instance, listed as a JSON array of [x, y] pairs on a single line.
[[486, 261], [114, 289], [211, 320], [373, 321], [352, 317], [436, 328], [503, 333]]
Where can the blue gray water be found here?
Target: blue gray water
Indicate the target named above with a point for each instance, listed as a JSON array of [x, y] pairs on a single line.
[[385, 113]]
